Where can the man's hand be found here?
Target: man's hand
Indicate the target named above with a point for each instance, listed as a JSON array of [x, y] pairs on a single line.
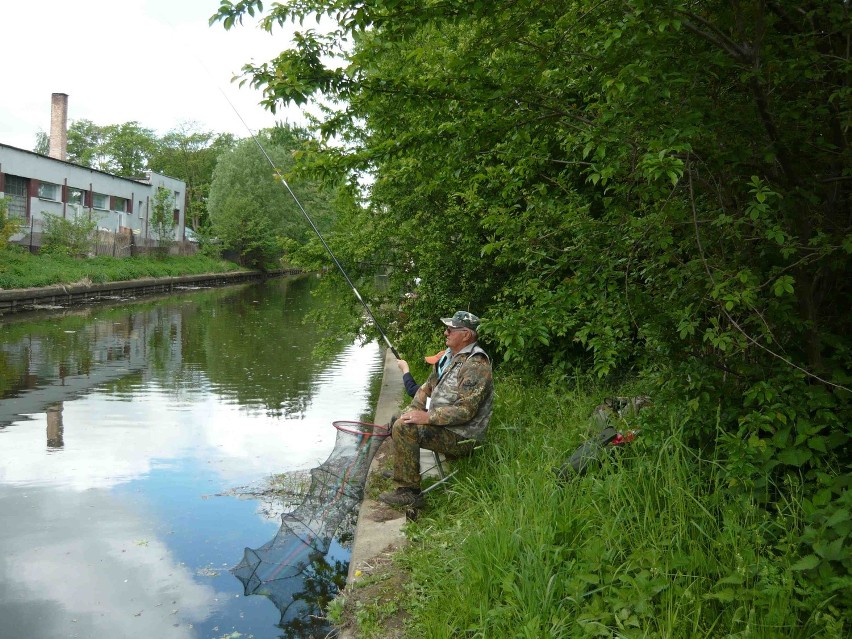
[[415, 417]]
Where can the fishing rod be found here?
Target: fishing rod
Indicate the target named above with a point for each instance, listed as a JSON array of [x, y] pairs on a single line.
[[314, 227]]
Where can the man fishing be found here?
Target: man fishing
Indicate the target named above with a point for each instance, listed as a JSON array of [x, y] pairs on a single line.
[[449, 413]]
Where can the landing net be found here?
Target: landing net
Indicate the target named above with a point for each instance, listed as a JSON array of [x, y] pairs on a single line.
[[292, 568]]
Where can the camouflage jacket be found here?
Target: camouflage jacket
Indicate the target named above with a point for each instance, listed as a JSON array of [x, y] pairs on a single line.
[[461, 399]]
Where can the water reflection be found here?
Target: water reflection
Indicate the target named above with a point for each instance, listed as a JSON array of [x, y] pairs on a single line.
[[124, 432], [248, 345], [293, 568], [55, 428]]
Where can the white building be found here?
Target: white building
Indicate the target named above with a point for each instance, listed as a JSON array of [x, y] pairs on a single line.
[[35, 184]]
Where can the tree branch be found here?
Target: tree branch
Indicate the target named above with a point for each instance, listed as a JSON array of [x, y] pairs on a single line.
[[715, 37], [733, 322]]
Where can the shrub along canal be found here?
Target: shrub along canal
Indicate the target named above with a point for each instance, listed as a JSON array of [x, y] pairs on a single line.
[[137, 444]]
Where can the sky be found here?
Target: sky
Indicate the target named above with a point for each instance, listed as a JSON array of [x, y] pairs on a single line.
[[155, 62]]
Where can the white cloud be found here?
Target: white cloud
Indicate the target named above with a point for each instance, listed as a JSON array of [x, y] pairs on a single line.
[[152, 61]]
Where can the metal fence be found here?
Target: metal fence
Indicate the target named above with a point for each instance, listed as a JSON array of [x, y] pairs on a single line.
[[105, 242]]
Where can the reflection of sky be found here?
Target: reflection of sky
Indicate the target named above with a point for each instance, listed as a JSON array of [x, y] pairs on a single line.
[[105, 537], [82, 564], [107, 442]]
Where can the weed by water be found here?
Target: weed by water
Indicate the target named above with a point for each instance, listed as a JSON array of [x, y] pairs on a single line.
[[334, 611], [369, 618]]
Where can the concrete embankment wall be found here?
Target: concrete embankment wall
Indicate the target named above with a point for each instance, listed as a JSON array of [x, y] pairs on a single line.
[[62, 295], [379, 527]]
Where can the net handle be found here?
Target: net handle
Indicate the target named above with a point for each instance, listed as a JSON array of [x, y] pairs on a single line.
[[375, 430]]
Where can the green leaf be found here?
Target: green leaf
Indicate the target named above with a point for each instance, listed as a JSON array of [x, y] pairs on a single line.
[[832, 551], [838, 517], [817, 444], [783, 286], [726, 596], [795, 456], [808, 562]]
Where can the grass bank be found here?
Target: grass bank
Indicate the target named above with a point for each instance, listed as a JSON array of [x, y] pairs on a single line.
[[652, 543], [20, 269]]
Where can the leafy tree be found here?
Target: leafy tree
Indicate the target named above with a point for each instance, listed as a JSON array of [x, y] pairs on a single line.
[[189, 154], [627, 188], [241, 225], [162, 218], [122, 149], [85, 143], [42, 145], [250, 207], [128, 147], [7, 227]]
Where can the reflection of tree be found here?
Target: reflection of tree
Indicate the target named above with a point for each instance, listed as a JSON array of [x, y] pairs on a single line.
[[45, 349], [259, 350], [296, 571], [249, 341], [125, 386], [322, 581], [346, 315], [9, 371]]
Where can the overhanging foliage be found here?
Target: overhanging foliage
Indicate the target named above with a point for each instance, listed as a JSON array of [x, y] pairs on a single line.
[[631, 188]]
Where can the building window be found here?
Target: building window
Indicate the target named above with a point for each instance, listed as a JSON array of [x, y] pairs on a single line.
[[120, 204], [48, 191], [16, 185], [16, 195], [75, 196], [100, 201], [140, 208]]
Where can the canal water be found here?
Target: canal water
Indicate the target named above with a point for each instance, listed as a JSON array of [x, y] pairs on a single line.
[[145, 445]]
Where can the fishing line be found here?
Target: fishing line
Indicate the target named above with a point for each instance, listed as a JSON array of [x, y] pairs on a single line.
[[279, 175], [313, 226]]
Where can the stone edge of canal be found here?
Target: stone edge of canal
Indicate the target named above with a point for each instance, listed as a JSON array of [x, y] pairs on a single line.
[[64, 295], [372, 537]]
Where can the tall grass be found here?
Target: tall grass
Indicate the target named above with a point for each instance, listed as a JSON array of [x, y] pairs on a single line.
[[649, 544], [20, 269]]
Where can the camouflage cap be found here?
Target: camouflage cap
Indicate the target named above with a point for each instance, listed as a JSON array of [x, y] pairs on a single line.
[[462, 319]]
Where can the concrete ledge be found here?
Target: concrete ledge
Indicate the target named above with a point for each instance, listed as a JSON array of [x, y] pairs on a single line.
[[375, 531], [63, 295], [379, 530]]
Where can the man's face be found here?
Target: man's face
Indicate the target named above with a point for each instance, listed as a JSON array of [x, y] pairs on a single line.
[[456, 338]]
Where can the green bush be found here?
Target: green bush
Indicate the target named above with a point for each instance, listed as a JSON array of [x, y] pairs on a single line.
[[62, 236]]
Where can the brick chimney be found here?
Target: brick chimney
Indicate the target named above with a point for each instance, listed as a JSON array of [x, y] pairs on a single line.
[[58, 126]]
